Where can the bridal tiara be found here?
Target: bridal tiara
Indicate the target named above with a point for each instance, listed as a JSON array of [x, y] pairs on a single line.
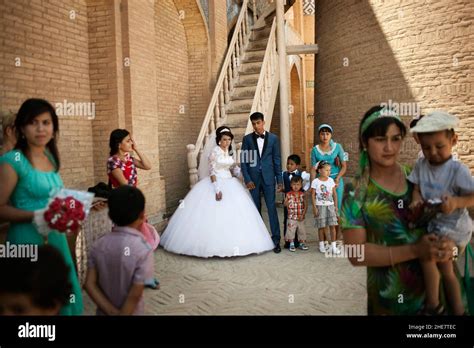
[[225, 130]]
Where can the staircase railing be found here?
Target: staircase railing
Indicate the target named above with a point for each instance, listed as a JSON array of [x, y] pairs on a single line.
[[216, 112], [267, 87]]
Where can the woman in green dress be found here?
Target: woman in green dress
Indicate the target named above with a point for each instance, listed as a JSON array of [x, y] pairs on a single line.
[[29, 173], [375, 217]]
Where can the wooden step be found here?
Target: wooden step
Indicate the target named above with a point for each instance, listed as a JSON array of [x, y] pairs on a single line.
[[254, 56], [239, 106], [239, 133], [250, 68], [237, 120], [244, 92], [247, 80], [260, 33], [257, 45]]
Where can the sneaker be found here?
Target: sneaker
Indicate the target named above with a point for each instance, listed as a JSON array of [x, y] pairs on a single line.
[[302, 246], [152, 284], [335, 250], [322, 248], [292, 247]]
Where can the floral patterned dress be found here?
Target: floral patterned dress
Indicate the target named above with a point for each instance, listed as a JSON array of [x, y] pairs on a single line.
[[397, 290], [127, 167]]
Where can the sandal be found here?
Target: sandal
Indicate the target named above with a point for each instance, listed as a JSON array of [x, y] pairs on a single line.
[[439, 310]]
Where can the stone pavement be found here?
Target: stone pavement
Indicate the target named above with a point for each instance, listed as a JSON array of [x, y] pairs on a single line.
[[299, 283]]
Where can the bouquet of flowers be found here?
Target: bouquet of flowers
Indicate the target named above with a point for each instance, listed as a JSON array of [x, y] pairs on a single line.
[[66, 211]]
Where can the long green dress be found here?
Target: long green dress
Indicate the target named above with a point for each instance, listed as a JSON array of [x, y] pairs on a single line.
[[397, 290], [32, 193]]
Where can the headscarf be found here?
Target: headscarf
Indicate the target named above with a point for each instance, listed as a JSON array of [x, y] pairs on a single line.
[[362, 176]]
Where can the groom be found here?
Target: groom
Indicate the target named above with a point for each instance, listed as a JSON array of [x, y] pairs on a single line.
[[260, 175]]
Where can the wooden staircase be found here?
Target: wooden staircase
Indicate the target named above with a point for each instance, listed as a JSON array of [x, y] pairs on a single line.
[[243, 95], [248, 81]]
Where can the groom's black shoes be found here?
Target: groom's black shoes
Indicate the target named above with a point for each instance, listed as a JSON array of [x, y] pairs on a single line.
[[277, 249]]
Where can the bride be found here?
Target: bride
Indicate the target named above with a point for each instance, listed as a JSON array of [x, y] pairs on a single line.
[[218, 216]]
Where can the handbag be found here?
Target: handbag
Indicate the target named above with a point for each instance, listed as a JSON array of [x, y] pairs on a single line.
[[337, 161], [469, 280]]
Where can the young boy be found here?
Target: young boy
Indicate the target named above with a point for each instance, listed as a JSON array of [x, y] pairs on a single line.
[[120, 261], [295, 202], [440, 180], [39, 287], [292, 168]]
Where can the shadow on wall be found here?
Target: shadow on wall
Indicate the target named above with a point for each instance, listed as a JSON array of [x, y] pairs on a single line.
[[355, 69]]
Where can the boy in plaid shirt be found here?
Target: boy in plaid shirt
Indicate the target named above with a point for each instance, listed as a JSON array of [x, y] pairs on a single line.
[[295, 202]]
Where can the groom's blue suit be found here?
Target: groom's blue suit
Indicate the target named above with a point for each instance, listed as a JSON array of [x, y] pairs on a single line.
[[264, 170]]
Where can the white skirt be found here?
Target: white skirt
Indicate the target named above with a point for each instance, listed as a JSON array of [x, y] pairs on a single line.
[[204, 227]]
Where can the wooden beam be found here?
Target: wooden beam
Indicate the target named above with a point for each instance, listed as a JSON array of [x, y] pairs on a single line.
[[302, 49]]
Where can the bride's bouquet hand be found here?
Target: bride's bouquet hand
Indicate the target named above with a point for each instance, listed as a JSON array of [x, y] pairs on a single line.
[[218, 196]]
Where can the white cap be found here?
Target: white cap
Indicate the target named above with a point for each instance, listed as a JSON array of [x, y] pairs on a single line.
[[435, 121]]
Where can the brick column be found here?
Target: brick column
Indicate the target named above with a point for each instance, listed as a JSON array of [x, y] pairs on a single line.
[[106, 65], [141, 105], [218, 35]]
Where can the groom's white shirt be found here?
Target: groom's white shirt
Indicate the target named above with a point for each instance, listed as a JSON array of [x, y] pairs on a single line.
[[260, 143]]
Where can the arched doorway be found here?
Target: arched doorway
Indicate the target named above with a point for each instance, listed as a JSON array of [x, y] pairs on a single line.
[[296, 110]]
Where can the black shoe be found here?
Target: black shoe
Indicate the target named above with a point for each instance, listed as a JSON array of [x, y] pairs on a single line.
[[287, 245], [277, 249]]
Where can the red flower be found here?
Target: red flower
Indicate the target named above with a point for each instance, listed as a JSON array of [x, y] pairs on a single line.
[[55, 205], [66, 214]]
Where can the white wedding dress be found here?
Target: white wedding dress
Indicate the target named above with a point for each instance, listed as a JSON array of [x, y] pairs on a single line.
[[204, 227]]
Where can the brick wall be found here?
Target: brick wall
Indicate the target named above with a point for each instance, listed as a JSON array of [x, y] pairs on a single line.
[[218, 35], [309, 59], [198, 82], [410, 52], [49, 42], [173, 99], [275, 126], [145, 64], [106, 65], [144, 100]]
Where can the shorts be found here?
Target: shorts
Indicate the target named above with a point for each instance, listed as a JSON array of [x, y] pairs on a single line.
[[291, 227]]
